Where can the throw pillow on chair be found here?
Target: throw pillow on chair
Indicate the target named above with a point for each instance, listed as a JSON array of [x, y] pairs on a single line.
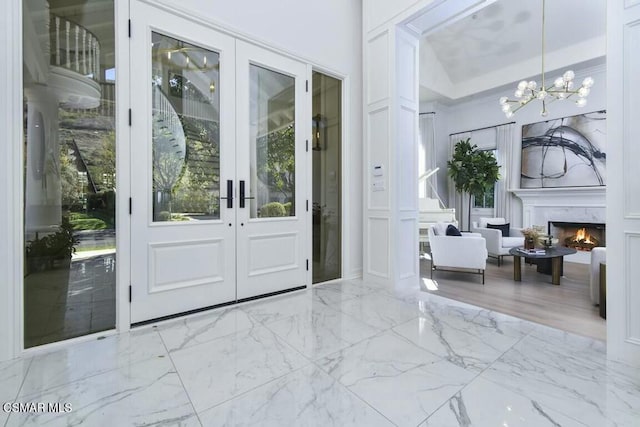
[[452, 230], [502, 227]]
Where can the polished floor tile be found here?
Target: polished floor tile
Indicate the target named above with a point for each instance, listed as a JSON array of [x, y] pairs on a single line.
[[483, 403], [321, 332], [379, 310], [567, 379], [338, 354], [306, 397], [91, 358], [143, 393], [224, 368], [282, 306], [12, 374], [203, 327], [467, 337], [403, 381]]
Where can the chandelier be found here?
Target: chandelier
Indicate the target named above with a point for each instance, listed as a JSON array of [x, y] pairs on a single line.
[[562, 88]]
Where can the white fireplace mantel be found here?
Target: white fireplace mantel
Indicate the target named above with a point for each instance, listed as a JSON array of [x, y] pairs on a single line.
[[574, 204]]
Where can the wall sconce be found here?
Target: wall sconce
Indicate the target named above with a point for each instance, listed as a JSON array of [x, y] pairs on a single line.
[[319, 135]]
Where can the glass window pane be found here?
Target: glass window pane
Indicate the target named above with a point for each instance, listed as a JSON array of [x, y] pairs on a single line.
[[70, 170], [272, 130], [185, 131], [326, 146]]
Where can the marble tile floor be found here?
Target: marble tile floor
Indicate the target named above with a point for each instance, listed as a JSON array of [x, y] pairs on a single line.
[[346, 353]]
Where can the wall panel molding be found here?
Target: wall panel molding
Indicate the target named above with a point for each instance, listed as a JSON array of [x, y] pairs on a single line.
[[632, 290], [631, 148], [378, 86]]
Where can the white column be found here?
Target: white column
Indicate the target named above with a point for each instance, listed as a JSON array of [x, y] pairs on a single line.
[[391, 147], [97, 75], [57, 41], [84, 51], [77, 49], [67, 28]]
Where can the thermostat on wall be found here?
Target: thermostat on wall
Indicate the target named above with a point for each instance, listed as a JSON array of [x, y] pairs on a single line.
[[378, 170]]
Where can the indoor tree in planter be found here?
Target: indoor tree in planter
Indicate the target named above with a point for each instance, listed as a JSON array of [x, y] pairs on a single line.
[[473, 171]]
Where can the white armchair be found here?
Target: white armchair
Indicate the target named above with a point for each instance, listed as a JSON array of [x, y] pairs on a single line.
[[498, 246], [468, 251]]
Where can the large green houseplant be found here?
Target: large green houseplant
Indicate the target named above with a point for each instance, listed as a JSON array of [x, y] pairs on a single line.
[[473, 171]]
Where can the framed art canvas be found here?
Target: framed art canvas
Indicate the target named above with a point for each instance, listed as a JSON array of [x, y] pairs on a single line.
[[566, 152]]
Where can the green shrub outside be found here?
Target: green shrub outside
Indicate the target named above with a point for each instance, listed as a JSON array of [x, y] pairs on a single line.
[[272, 209], [287, 208]]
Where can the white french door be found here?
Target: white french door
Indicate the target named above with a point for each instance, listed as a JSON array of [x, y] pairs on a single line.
[[271, 129], [217, 154]]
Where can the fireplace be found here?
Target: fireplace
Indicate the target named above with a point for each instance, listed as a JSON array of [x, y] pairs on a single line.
[[582, 236]]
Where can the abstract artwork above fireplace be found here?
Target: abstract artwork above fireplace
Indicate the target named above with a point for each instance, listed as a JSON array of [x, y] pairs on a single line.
[[566, 152]]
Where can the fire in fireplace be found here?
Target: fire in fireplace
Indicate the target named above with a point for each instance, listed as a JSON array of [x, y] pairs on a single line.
[[582, 240], [578, 235]]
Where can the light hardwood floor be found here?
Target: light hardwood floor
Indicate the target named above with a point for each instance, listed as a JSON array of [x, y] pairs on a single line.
[[567, 307]]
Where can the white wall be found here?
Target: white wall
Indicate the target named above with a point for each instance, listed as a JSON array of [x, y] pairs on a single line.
[[484, 111]]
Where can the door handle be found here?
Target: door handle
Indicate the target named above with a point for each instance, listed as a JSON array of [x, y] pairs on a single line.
[[229, 197], [242, 193]]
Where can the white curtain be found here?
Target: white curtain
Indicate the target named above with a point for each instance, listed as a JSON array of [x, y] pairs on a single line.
[[460, 202], [427, 153], [508, 172]]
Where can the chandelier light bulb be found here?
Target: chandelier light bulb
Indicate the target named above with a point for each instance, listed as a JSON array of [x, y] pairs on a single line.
[[587, 82], [581, 102], [532, 85], [544, 113], [568, 76], [505, 108], [503, 100], [509, 114], [583, 92], [558, 83], [570, 85], [518, 93], [522, 85]]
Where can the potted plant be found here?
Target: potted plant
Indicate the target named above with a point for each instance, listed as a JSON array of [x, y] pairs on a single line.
[[53, 250], [473, 171], [532, 236]]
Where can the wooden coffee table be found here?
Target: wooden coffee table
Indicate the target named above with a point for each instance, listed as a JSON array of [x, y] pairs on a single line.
[[556, 255]]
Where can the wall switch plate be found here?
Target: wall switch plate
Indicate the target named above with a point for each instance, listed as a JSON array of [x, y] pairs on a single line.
[[378, 185]]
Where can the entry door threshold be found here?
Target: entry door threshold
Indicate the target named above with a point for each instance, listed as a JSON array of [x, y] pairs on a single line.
[[213, 307]]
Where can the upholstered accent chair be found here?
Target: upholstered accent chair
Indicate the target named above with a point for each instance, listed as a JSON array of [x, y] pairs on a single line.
[[468, 251], [498, 245]]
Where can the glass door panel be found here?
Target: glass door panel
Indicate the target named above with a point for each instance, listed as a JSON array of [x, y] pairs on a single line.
[[326, 143], [272, 127], [185, 131]]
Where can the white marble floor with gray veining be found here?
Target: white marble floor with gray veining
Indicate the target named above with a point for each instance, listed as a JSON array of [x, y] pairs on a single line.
[[347, 353]]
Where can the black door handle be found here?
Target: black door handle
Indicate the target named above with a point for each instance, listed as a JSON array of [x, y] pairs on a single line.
[[242, 193], [229, 197]]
